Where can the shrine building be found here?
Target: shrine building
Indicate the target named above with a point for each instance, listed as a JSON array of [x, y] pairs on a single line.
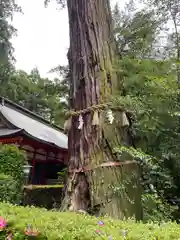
[[45, 144]]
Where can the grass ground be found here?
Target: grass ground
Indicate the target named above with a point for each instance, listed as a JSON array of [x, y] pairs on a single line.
[[69, 226]]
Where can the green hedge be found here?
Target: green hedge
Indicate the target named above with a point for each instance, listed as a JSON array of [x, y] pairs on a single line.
[[46, 196], [12, 161], [69, 226]]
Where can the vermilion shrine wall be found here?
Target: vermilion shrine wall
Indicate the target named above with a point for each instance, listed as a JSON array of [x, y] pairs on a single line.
[[39, 154]]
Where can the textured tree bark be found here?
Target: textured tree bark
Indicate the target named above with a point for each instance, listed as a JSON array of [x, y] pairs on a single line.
[[91, 60]]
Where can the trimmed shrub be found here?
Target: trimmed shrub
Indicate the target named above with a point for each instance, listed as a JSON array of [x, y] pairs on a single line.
[[68, 226], [12, 161], [46, 196], [7, 188]]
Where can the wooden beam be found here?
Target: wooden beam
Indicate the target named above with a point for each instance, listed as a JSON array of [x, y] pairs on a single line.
[[11, 140]]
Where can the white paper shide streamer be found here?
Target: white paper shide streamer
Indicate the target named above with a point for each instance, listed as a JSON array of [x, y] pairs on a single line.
[[110, 116], [95, 120], [81, 122]]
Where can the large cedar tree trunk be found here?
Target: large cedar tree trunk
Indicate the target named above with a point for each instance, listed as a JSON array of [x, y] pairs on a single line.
[[91, 59]]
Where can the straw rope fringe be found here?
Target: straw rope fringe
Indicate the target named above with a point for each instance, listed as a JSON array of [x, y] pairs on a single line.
[[93, 108]]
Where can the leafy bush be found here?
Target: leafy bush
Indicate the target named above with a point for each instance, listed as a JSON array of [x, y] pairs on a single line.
[[62, 175], [69, 226], [12, 161], [154, 209], [7, 188]]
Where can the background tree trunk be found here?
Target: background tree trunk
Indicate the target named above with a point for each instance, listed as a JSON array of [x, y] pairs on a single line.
[[91, 60]]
